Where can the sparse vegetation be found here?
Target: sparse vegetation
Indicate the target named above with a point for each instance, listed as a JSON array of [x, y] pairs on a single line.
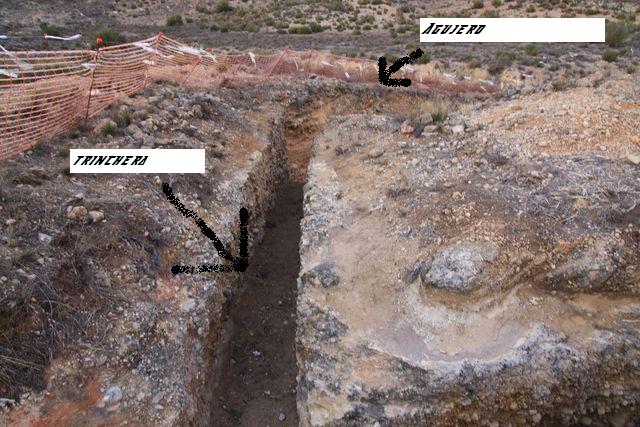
[[438, 109], [610, 55], [473, 63], [109, 129], [531, 49], [617, 32], [174, 20], [502, 60], [122, 118], [559, 85], [223, 6], [49, 29], [313, 27]]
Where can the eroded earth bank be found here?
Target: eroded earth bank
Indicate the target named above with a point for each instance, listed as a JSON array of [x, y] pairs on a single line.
[[463, 259]]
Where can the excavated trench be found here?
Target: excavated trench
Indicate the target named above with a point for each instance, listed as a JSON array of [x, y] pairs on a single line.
[[255, 375], [257, 382], [255, 370]]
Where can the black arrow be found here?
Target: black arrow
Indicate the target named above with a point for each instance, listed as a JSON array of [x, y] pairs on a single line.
[[237, 264], [384, 75]]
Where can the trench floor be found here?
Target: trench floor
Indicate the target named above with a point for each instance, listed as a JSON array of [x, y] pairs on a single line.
[[257, 385]]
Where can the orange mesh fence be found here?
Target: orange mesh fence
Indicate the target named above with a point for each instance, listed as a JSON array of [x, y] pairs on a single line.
[[119, 71], [43, 94]]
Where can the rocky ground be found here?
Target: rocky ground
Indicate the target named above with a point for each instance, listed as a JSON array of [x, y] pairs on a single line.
[[442, 266], [85, 262], [452, 245]]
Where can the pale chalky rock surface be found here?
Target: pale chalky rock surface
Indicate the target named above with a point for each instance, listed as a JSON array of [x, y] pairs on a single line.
[[473, 288]]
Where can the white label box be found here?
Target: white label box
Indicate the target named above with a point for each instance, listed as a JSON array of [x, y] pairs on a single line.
[[512, 30], [146, 160]]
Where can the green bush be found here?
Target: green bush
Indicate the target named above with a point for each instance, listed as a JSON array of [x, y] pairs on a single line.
[[478, 4], [473, 63], [174, 20], [223, 6], [531, 49], [121, 118], [336, 6], [251, 28], [304, 29], [110, 37], [425, 58], [502, 60], [108, 129], [313, 27], [616, 32], [559, 85], [50, 30], [610, 55], [490, 14]]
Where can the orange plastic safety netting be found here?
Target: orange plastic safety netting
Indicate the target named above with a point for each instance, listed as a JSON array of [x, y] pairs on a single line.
[[45, 93]]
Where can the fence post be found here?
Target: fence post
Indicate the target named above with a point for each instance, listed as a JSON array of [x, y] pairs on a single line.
[[93, 72], [267, 72], [192, 70], [306, 68], [154, 57]]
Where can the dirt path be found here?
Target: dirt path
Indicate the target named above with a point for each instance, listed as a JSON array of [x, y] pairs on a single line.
[[258, 378]]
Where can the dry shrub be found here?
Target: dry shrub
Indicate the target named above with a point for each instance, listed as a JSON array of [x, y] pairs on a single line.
[[438, 108]]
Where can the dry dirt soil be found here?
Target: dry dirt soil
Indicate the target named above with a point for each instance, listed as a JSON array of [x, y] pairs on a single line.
[[415, 255]]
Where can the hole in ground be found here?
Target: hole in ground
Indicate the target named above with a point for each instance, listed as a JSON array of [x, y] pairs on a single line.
[[257, 384]]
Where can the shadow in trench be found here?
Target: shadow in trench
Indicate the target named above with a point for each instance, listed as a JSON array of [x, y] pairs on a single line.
[[258, 375]]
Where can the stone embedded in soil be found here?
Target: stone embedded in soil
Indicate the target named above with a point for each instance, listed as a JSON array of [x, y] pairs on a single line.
[[96, 216], [45, 238], [375, 153], [406, 127], [590, 266], [76, 213], [458, 267], [112, 395], [457, 130], [321, 275], [515, 283]]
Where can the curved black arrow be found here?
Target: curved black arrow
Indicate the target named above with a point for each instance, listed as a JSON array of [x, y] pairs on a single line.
[[237, 264], [384, 75]]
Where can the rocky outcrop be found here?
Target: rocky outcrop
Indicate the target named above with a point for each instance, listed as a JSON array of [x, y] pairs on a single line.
[[478, 283]]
